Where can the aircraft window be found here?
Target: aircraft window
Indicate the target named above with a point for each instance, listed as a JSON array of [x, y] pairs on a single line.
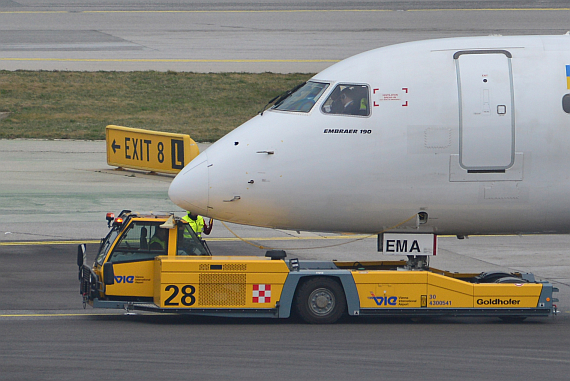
[[347, 99], [566, 103], [303, 99], [143, 241]]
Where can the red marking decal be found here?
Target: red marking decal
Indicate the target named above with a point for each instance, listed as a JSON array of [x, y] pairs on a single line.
[[261, 293]]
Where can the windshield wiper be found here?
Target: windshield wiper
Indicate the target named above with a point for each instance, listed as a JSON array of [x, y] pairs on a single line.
[[281, 97]]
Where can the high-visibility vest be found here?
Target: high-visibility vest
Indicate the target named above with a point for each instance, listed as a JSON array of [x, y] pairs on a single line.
[[156, 240], [197, 225]]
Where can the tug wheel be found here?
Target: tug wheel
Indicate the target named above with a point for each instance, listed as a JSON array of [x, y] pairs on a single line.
[[320, 300], [510, 279]]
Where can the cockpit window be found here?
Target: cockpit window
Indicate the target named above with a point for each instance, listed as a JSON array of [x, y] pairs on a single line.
[[347, 99], [303, 99]]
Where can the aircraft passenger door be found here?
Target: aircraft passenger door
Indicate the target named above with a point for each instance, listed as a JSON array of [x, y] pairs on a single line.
[[486, 122]]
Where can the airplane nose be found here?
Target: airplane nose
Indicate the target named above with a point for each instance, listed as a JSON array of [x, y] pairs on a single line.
[[189, 189]]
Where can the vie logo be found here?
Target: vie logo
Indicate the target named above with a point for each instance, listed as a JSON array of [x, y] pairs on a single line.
[[124, 279], [384, 300]]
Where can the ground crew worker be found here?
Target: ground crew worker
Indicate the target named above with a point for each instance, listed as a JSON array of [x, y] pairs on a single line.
[[197, 224], [158, 240]]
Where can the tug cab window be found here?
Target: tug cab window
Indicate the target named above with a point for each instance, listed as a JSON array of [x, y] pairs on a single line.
[[348, 99], [106, 245], [188, 243], [302, 99], [142, 241]]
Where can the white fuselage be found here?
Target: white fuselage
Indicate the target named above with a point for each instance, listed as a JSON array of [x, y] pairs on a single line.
[[471, 131]]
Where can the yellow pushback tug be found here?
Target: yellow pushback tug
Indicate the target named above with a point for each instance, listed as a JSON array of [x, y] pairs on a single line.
[[156, 263]]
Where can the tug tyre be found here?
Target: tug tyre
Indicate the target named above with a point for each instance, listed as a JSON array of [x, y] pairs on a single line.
[[491, 277], [320, 301], [510, 279]]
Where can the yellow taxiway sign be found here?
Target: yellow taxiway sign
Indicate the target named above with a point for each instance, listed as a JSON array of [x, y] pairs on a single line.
[[149, 150]]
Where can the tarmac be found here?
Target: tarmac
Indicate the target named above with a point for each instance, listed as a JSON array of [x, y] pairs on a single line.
[[54, 194]]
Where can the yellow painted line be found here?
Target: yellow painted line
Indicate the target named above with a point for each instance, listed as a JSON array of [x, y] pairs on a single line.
[[56, 315], [253, 11], [9, 12], [233, 239], [229, 239], [339, 10], [167, 60], [210, 11], [488, 9], [291, 238], [347, 236], [295, 10], [37, 243]]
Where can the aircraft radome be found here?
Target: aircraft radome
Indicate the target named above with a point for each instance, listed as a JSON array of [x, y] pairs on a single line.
[[472, 133]]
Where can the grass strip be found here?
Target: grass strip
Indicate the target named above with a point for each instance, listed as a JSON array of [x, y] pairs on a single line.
[[78, 105]]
